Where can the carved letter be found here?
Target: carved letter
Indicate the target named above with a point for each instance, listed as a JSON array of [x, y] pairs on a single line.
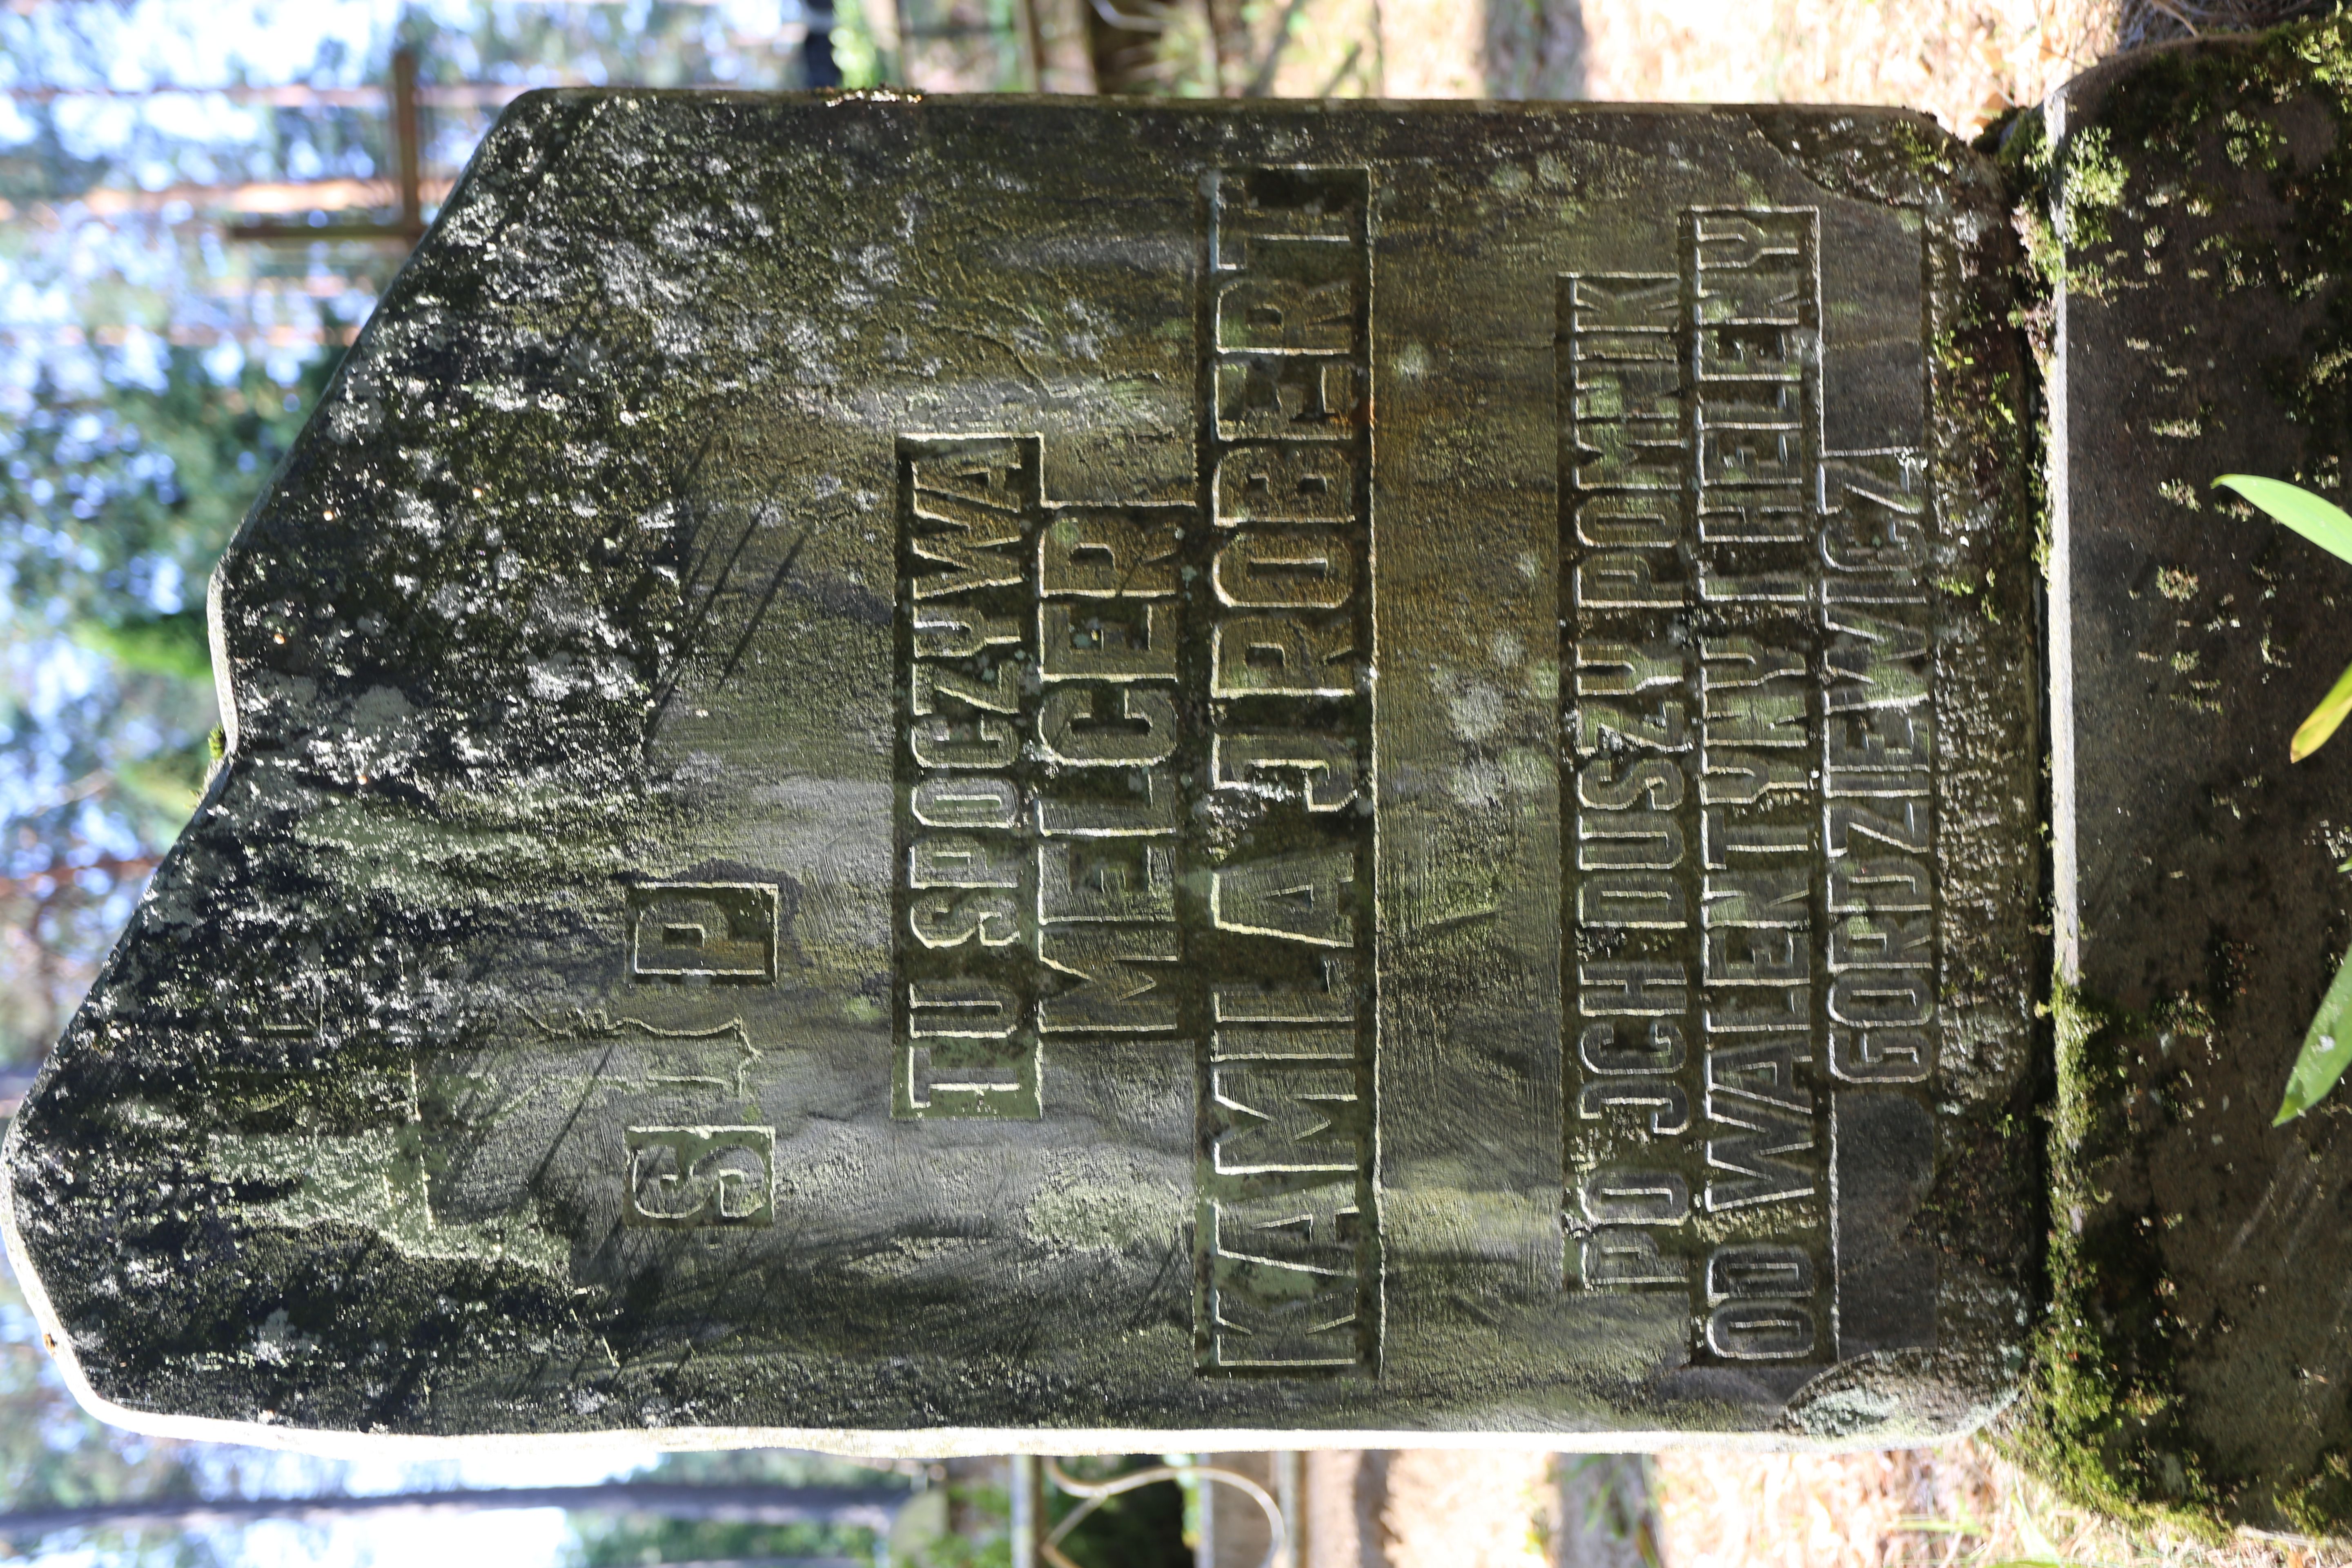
[[1058, 720], [1639, 900], [1150, 810], [1757, 1177], [940, 742], [1121, 881], [953, 801], [1748, 1273], [946, 919], [1621, 670], [1304, 481], [955, 860], [1658, 777], [1283, 655], [1877, 996], [1284, 571], [958, 631], [1326, 764], [1283, 1274], [1641, 989], [973, 547], [1301, 897], [960, 1010], [1668, 1106], [1636, 841], [1112, 995], [1598, 1049], [1760, 1330], [1069, 650], [1614, 1195], [1002, 694], [1106, 553], [1286, 1117], [1616, 1256]]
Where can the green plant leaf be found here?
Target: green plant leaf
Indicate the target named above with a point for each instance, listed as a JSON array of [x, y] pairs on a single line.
[[2322, 522], [2313, 732], [2326, 1049]]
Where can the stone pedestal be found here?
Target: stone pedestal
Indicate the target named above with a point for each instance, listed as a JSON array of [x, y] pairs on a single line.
[[2195, 232]]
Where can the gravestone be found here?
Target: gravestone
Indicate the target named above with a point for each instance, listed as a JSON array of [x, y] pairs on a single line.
[[972, 774], [2196, 1358]]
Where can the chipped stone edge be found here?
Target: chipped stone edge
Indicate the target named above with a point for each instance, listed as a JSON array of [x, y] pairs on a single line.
[[945, 1442]]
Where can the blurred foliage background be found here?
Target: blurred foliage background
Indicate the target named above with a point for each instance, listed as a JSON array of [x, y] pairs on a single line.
[[155, 367]]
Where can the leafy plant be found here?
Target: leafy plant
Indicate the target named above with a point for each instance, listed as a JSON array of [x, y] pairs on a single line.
[[2327, 1044], [2325, 525]]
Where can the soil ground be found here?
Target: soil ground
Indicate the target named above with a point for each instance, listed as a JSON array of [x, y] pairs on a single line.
[[1960, 1505]]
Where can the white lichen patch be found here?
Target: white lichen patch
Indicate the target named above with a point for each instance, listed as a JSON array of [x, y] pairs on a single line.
[[1101, 1201], [374, 1181]]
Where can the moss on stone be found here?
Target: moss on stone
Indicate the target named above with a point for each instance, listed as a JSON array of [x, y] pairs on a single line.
[[2184, 106], [2220, 174], [2103, 1421]]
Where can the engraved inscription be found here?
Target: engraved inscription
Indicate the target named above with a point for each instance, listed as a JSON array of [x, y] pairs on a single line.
[[688, 1177], [1044, 743], [1136, 780], [972, 521], [1750, 903], [717, 930], [1287, 1263]]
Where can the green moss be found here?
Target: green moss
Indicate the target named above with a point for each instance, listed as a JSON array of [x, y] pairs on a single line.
[[2320, 1504], [2071, 193], [2066, 197], [2090, 187], [2104, 1423], [1927, 154], [2024, 158], [2186, 111], [2163, 164]]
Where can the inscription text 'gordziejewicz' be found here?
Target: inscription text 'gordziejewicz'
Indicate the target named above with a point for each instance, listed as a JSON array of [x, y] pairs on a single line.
[[1135, 800], [1751, 894]]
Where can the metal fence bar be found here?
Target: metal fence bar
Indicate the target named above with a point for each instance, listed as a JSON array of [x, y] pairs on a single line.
[[1025, 1509], [1092, 1495]]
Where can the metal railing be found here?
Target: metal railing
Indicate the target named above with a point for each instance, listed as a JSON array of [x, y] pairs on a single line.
[[1031, 1550]]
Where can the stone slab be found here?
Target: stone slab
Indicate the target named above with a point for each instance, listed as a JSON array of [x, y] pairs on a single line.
[[2198, 1357], [896, 777]]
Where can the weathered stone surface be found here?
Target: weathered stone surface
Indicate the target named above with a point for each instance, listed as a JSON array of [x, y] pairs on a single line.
[[2197, 1356], [810, 844]]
